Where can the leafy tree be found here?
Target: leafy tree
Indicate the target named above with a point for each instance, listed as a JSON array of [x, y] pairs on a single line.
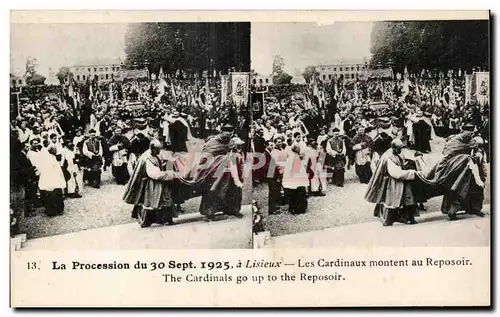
[[32, 77], [282, 79], [439, 45], [191, 47], [309, 73], [279, 75], [63, 74]]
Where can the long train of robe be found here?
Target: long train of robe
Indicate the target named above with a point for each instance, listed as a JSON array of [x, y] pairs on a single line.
[[452, 173], [208, 181]]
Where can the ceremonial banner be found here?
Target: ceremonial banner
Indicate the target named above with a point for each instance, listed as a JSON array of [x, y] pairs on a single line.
[[258, 109], [239, 88], [225, 88], [482, 88]]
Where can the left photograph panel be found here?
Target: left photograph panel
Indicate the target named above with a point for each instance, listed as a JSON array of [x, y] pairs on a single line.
[[129, 136]]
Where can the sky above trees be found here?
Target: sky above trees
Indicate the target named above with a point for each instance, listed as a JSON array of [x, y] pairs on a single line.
[[304, 44], [55, 45]]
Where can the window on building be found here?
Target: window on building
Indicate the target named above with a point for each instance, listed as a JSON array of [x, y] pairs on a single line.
[[105, 69], [335, 69], [77, 77], [100, 69], [324, 77], [88, 69], [340, 68], [95, 69], [329, 76], [14, 82], [358, 68], [84, 77], [352, 67], [267, 80], [260, 81], [323, 69], [254, 81], [107, 76]]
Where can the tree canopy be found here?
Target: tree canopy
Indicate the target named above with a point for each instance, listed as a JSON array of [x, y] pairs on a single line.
[[192, 47], [439, 45], [32, 77], [279, 75]]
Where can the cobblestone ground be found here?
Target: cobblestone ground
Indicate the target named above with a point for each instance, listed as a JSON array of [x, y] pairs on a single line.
[[340, 206], [100, 208]]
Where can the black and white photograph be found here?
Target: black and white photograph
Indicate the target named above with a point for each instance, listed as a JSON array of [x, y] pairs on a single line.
[[129, 136], [373, 134]]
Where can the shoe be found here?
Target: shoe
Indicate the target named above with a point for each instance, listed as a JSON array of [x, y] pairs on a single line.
[[239, 215], [453, 217], [321, 194], [411, 222], [170, 222], [422, 207]]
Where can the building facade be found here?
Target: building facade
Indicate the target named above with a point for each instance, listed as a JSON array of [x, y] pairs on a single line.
[[104, 71], [261, 80], [17, 81], [347, 70]]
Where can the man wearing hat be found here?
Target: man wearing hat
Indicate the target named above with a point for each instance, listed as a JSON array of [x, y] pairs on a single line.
[[420, 132], [92, 150], [218, 193], [336, 159], [456, 176], [390, 188]]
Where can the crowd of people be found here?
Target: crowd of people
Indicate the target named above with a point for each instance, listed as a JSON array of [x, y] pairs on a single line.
[[310, 138], [60, 146]]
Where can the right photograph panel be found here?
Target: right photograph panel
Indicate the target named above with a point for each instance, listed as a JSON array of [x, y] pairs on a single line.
[[371, 134]]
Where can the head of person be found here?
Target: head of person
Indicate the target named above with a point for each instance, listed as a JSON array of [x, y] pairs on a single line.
[[335, 132], [155, 147], [278, 143], [397, 146], [35, 144], [92, 134], [296, 148], [361, 130], [269, 145], [297, 136], [118, 130], [53, 138]]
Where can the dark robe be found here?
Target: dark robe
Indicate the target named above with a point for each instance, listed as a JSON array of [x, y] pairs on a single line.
[[422, 135], [178, 134], [382, 143], [139, 144], [451, 177], [336, 162], [120, 173], [218, 190]]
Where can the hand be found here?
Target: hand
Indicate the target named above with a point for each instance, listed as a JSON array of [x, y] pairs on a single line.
[[239, 184]]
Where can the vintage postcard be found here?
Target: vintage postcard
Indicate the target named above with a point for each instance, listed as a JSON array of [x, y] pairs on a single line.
[[248, 159]]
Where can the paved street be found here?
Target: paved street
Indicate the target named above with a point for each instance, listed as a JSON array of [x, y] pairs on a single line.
[[341, 206], [190, 232], [433, 230], [101, 208]]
